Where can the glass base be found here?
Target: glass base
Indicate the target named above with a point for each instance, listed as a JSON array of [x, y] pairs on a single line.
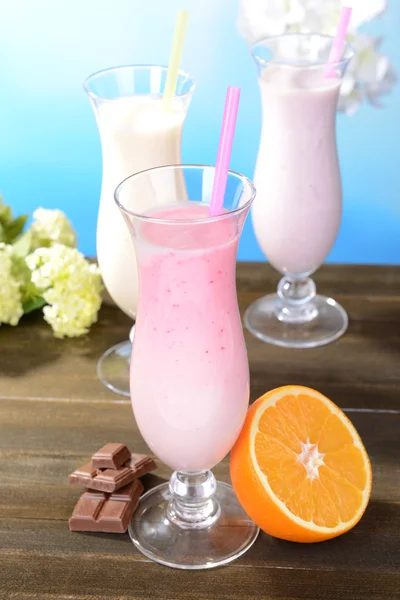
[[113, 368], [226, 535], [327, 323]]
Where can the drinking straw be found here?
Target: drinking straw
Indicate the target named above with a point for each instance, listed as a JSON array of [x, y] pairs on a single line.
[[176, 54], [224, 151], [335, 54]]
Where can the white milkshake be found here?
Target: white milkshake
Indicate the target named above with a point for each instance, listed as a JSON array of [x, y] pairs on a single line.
[[137, 133], [298, 207]]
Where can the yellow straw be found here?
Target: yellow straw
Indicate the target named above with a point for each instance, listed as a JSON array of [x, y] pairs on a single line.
[[176, 54]]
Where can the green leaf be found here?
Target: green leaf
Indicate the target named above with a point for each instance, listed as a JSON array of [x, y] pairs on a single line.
[[10, 228], [5, 212], [15, 227], [33, 304], [22, 273]]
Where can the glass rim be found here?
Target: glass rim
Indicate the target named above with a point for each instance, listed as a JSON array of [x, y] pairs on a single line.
[[138, 67], [197, 221], [261, 62]]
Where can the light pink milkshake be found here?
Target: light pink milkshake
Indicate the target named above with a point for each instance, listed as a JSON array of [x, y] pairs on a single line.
[[189, 376], [298, 208]]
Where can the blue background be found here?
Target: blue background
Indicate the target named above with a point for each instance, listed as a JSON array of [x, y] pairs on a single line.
[[49, 146]]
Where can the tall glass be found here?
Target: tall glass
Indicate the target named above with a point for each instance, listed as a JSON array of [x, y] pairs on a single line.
[[297, 212], [189, 369], [137, 131]]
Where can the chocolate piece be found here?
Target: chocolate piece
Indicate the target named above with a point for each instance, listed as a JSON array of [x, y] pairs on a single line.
[[141, 464], [138, 460], [116, 516], [87, 471], [126, 493], [110, 456], [96, 495], [85, 513], [83, 476], [110, 480], [110, 514]]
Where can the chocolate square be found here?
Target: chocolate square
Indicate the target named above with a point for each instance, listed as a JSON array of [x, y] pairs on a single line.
[[110, 456], [110, 480], [96, 511]]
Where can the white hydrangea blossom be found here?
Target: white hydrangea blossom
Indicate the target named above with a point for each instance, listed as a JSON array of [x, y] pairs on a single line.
[[10, 294], [368, 76], [260, 18], [370, 73], [70, 286], [51, 227]]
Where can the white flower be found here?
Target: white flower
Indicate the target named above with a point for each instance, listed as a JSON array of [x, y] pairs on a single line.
[[10, 294], [365, 10], [261, 18], [69, 285], [51, 227], [369, 75]]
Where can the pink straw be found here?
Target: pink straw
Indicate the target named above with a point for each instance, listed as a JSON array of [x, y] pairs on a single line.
[[335, 54], [224, 151]]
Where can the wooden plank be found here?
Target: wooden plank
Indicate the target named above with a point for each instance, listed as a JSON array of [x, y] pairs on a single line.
[[366, 365], [360, 370], [41, 442], [58, 368], [118, 577], [331, 280], [373, 545], [42, 439]]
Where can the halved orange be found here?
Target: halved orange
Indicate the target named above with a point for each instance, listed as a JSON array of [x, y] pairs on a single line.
[[299, 467]]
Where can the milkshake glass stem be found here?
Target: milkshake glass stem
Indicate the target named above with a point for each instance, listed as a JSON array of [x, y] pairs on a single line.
[[193, 504], [296, 295]]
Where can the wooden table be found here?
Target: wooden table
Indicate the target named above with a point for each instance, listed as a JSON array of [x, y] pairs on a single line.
[[54, 413]]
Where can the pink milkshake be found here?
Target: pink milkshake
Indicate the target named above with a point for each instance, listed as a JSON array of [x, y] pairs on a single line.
[[189, 377], [298, 208], [189, 368]]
